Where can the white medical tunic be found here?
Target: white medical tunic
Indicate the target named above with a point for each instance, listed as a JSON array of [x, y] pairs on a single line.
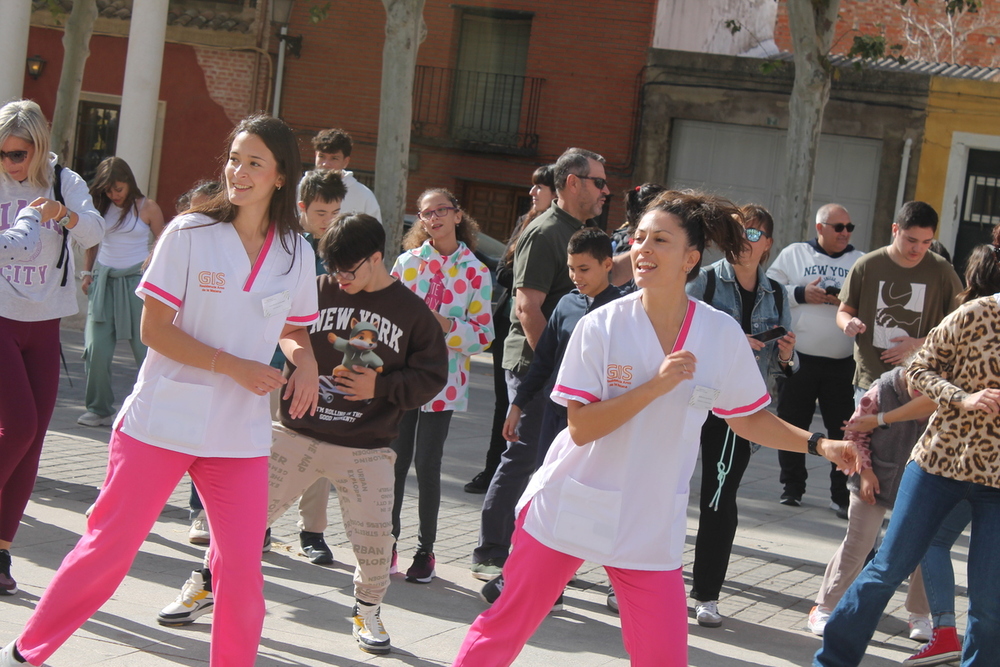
[[202, 271], [622, 499]]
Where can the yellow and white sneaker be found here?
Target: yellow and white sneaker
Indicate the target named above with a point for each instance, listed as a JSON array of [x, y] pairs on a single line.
[[195, 600], [368, 628]]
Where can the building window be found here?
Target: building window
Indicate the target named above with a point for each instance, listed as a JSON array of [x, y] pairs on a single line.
[[96, 136], [489, 83], [981, 205], [485, 102]]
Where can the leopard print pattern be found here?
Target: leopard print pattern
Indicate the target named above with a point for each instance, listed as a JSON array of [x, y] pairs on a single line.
[[961, 356]]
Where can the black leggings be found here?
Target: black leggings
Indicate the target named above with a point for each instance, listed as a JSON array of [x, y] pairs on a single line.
[[717, 526]]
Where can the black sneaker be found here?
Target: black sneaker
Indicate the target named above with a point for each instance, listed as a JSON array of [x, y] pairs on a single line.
[[479, 483], [422, 570], [7, 584], [491, 591], [267, 541], [315, 549], [791, 501]]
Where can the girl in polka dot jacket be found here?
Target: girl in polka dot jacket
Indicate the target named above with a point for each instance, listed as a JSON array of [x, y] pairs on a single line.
[[440, 267]]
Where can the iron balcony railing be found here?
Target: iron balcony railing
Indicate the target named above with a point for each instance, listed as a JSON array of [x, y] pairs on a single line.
[[480, 111]]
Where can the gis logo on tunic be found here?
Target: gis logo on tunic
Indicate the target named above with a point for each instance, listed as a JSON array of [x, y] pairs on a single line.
[[619, 376], [211, 281]]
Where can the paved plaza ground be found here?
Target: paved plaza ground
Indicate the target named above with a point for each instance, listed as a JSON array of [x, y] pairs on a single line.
[[776, 569]]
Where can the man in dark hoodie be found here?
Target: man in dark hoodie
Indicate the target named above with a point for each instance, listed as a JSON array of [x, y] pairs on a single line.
[[589, 264], [399, 363]]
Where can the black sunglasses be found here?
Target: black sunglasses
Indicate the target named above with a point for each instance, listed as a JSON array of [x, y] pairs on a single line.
[[599, 183], [17, 157], [839, 227]]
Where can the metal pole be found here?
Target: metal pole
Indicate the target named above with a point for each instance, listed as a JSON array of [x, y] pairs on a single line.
[[280, 74]]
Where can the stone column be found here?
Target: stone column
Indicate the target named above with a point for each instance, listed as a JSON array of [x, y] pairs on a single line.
[[141, 91], [13, 49]]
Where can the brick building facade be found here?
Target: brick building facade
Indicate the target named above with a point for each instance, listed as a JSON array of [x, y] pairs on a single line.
[[215, 72], [923, 29], [575, 69]]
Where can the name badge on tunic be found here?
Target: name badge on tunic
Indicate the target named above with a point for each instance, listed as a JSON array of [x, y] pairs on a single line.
[[278, 303], [703, 398]]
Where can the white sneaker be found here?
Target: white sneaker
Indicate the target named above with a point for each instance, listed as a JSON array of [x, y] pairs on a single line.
[[194, 600], [368, 629], [7, 658], [91, 419], [199, 530], [921, 629], [818, 616], [708, 614]]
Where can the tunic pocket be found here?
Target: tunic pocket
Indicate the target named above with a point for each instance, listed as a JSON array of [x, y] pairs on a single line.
[[588, 517], [273, 327], [179, 412]]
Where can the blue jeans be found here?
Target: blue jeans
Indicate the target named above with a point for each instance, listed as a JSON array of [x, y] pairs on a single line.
[[939, 576], [922, 504]]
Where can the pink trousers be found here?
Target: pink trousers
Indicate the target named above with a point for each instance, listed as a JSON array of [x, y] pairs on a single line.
[[652, 604], [139, 482]]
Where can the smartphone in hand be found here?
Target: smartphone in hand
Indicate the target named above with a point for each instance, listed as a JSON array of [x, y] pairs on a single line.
[[770, 334]]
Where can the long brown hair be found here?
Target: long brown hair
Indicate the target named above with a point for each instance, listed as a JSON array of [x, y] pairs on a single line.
[[113, 170], [280, 140], [759, 214], [982, 271], [466, 231]]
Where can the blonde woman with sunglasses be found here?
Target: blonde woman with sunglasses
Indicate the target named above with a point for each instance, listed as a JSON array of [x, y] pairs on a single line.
[[37, 289]]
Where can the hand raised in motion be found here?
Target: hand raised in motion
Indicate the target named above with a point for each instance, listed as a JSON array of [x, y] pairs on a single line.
[[675, 368]]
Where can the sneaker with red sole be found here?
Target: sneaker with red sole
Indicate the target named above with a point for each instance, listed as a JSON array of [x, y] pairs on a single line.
[[942, 648]]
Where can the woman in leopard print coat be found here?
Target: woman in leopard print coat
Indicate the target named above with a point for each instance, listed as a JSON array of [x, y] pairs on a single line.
[[958, 457]]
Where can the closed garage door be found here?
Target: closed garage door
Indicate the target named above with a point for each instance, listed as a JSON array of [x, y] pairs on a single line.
[[747, 165]]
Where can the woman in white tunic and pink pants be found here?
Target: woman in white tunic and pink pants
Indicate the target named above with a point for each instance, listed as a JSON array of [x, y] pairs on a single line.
[[224, 284], [613, 490]]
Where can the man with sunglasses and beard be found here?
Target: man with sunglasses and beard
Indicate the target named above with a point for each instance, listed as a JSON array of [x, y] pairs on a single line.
[[813, 273], [541, 279]]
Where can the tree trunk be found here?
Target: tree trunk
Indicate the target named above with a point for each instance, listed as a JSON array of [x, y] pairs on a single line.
[[76, 50], [404, 30], [811, 23]]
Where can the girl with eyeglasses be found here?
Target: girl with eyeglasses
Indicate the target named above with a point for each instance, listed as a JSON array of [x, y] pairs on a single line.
[[227, 281], [37, 288], [641, 374], [439, 266], [759, 304], [109, 280]]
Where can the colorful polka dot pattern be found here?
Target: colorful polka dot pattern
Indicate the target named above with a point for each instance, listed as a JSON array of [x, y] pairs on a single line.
[[466, 301]]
